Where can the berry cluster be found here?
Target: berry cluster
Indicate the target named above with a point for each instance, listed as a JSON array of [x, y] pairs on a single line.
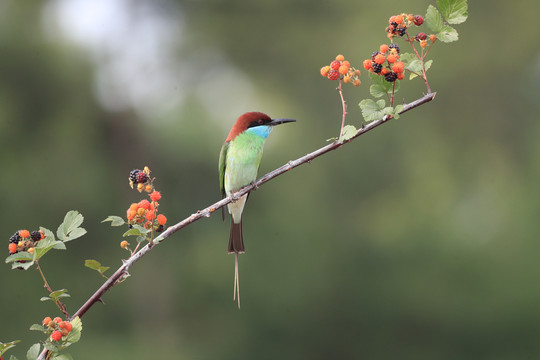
[[385, 62], [399, 25], [141, 178], [145, 212], [24, 240], [57, 328], [341, 69]]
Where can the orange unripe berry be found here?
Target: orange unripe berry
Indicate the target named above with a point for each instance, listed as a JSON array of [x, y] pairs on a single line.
[[31, 251], [161, 219], [398, 19], [57, 320], [325, 70], [24, 234], [392, 58], [367, 64], [131, 214], [357, 82], [69, 327], [384, 71], [410, 17], [343, 69], [145, 204], [46, 321], [357, 72], [12, 248], [61, 324], [124, 244], [346, 63], [433, 38], [64, 332], [400, 76], [340, 57], [383, 48], [140, 187], [398, 67], [141, 212], [379, 59], [346, 79], [155, 196], [423, 43], [148, 188], [133, 206], [150, 215]]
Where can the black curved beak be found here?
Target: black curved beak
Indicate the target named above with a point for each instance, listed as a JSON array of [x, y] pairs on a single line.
[[275, 122]]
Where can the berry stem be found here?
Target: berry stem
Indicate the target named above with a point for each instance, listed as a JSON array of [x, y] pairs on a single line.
[[344, 108], [421, 58], [46, 285]]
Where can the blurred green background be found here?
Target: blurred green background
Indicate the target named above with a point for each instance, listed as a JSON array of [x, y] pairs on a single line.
[[420, 240]]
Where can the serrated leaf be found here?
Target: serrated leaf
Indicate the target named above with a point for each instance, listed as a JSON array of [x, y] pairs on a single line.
[[454, 11], [75, 333], [33, 352], [37, 327], [45, 245], [92, 264], [20, 256], [447, 34], [372, 110], [377, 90], [434, 19], [115, 220], [69, 229], [348, 132]]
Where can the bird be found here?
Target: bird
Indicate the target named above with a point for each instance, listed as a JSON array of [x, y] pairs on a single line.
[[239, 161]]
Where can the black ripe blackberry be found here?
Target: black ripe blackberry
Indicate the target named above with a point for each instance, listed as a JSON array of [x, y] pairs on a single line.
[[401, 31], [15, 238], [394, 24], [160, 229], [394, 46], [133, 175], [376, 68], [390, 77], [35, 235]]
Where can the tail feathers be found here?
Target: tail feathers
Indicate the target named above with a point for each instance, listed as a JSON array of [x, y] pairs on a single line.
[[236, 240]]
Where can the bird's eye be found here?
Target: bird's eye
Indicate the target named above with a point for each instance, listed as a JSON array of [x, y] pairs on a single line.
[[260, 121]]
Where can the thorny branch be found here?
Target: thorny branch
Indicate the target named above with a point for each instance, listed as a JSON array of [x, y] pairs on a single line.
[[123, 270]]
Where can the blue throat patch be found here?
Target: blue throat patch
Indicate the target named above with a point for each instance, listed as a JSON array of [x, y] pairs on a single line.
[[262, 130]]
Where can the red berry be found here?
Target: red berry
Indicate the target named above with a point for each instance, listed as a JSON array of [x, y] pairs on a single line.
[[145, 204], [421, 36], [68, 327], [155, 196], [398, 67], [57, 320], [56, 335], [418, 20], [335, 64], [400, 76], [12, 248], [333, 74], [141, 177]]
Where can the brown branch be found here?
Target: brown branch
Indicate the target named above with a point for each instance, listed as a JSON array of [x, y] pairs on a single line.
[[207, 212]]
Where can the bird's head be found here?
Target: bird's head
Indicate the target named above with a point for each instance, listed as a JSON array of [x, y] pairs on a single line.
[[258, 122]]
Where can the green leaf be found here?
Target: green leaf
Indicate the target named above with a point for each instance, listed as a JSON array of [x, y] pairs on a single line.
[[142, 238], [454, 11], [92, 264], [372, 110], [20, 256], [51, 347], [22, 266], [13, 358], [45, 245], [6, 346], [69, 229], [115, 220], [380, 86], [434, 19], [377, 90], [37, 327], [447, 34], [55, 295], [397, 110], [348, 132], [137, 230], [75, 333], [33, 352], [48, 233]]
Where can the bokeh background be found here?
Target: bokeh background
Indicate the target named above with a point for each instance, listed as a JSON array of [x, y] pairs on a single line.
[[420, 240]]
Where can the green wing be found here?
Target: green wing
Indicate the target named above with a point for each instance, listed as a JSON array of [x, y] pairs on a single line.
[[221, 167]]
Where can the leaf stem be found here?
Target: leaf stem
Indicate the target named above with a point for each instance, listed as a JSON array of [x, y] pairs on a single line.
[[46, 285], [344, 109]]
